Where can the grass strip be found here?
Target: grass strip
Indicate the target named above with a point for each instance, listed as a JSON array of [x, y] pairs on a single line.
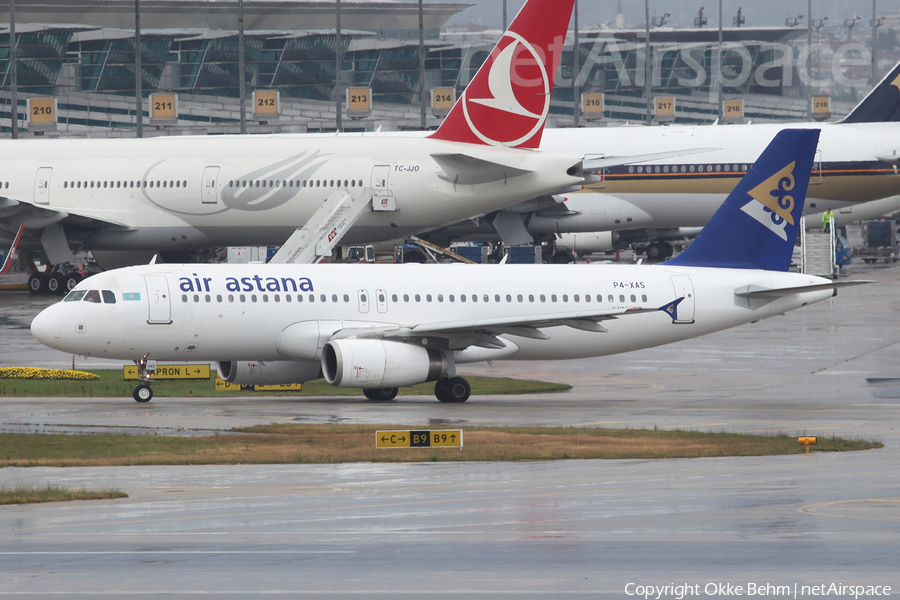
[[29, 494], [319, 444], [111, 385]]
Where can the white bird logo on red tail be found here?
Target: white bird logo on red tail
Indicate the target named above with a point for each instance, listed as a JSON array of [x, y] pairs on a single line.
[[508, 91]]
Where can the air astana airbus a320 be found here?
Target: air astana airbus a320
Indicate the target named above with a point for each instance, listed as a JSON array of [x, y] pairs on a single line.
[[379, 327]]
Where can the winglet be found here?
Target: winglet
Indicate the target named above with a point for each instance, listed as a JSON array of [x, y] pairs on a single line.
[[882, 104], [671, 308], [508, 100], [757, 225], [7, 262]]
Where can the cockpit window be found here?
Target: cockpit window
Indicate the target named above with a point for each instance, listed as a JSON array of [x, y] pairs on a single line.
[[92, 296], [109, 297], [74, 296]]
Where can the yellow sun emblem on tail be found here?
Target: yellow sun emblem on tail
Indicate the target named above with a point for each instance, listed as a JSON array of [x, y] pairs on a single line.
[[773, 193], [896, 82]]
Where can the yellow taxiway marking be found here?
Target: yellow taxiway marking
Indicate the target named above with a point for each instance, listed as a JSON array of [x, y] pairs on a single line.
[[813, 509]]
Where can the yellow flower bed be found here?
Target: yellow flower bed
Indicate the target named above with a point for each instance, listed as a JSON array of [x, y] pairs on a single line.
[[35, 373]]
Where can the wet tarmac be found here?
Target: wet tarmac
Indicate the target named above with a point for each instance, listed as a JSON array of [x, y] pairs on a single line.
[[567, 529]]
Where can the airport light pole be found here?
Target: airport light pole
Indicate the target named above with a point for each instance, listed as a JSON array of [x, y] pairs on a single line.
[[850, 24], [13, 73], [719, 70], [876, 23], [138, 70], [504, 16], [242, 89], [422, 123], [575, 88], [647, 59], [809, 101], [338, 100]]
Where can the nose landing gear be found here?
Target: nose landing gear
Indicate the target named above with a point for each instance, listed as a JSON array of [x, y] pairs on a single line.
[[143, 392]]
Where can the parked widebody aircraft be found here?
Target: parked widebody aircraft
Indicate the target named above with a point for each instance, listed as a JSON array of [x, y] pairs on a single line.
[[379, 327], [181, 193], [856, 163]]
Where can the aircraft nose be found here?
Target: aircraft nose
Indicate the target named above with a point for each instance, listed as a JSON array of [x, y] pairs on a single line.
[[46, 327]]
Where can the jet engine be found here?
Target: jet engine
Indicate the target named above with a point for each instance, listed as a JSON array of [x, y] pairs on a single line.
[[380, 364], [587, 243], [248, 372]]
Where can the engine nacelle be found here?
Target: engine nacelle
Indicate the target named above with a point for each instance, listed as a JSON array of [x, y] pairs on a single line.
[[379, 364], [588, 243], [248, 372]]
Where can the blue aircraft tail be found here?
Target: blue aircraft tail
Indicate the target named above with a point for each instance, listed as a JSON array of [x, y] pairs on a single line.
[[882, 104], [757, 225]]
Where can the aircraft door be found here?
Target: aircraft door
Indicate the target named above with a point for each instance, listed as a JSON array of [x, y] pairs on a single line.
[[363, 296], [381, 177], [684, 289], [42, 185], [816, 177], [158, 299], [209, 191], [382, 197], [597, 185], [381, 299]]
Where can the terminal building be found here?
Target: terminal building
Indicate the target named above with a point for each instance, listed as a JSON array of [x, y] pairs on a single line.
[[82, 54]]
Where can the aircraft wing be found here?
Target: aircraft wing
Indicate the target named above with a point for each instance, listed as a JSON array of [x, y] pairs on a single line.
[[483, 332], [593, 165], [34, 216], [45, 223]]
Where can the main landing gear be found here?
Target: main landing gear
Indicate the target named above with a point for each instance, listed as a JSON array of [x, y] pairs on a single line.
[[143, 392], [381, 395], [658, 251], [452, 389]]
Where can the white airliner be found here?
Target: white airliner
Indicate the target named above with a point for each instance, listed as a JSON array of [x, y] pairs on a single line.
[[378, 327], [172, 194], [856, 164]]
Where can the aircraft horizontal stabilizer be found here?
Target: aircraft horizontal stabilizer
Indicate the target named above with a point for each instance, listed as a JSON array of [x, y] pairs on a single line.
[[462, 169], [593, 165], [756, 291]]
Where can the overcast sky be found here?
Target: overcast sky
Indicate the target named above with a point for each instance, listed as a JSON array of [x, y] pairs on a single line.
[[757, 12]]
